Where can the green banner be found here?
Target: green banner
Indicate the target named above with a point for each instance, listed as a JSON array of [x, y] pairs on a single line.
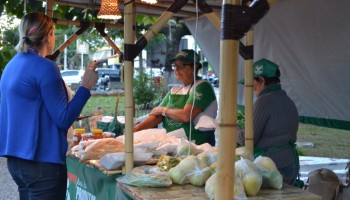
[[88, 183]]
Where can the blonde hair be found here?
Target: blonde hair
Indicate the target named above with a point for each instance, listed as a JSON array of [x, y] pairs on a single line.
[[33, 29]]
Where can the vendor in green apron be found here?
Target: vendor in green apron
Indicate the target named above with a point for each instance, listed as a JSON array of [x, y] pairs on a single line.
[[184, 104], [275, 120]]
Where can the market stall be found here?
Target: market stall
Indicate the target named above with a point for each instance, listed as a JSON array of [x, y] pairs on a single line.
[[86, 181], [228, 99]]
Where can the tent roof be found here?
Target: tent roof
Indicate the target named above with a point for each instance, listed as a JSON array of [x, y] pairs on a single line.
[[310, 42], [157, 9]]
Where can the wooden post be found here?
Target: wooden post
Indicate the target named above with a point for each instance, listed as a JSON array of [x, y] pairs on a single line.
[[128, 85], [248, 97], [227, 120], [214, 19], [49, 8]]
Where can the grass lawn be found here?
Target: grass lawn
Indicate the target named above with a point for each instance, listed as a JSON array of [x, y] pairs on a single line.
[[327, 142]]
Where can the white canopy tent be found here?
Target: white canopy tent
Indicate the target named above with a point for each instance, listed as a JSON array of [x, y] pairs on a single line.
[[310, 40]]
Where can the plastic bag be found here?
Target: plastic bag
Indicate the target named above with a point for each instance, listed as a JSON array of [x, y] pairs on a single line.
[[146, 176], [187, 148], [190, 170], [250, 175], [113, 161], [238, 188], [208, 157], [245, 153], [272, 178], [101, 147]]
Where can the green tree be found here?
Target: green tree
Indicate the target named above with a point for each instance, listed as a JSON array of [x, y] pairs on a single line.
[[8, 41], [91, 36], [145, 89], [174, 32]]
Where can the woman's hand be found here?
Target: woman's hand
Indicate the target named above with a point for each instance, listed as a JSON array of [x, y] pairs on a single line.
[[90, 76]]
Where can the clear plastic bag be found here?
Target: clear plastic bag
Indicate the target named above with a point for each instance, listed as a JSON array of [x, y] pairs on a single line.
[[272, 178], [187, 148], [238, 188], [146, 176], [190, 170], [250, 175]]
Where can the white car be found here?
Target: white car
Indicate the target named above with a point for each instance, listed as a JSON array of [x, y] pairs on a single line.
[[72, 76]]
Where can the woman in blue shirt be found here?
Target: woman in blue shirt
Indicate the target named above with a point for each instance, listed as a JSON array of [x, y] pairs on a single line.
[[35, 113]]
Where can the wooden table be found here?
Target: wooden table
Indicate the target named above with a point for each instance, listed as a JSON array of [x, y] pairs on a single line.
[[190, 192]]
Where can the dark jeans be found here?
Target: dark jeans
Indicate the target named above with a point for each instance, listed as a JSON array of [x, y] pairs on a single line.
[[38, 180]]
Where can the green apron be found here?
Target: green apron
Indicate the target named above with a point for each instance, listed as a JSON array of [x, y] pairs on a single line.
[[178, 101]]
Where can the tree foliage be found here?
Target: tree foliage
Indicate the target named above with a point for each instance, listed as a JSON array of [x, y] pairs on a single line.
[[8, 40], [145, 89], [17, 8]]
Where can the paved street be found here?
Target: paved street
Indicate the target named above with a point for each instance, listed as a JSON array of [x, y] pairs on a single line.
[[8, 188]]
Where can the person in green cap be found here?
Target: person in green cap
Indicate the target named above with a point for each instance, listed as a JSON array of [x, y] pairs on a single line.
[[275, 120], [184, 104]]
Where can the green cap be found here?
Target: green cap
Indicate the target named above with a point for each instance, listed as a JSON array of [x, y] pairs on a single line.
[[263, 67], [186, 56]]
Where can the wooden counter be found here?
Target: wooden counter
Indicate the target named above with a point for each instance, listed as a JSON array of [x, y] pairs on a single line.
[[188, 191]]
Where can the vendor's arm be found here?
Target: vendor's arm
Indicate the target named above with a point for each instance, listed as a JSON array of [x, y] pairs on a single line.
[[150, 122], [196, 103], [180, 115]]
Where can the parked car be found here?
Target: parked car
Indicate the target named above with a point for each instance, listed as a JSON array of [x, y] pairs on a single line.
[[72, 76]]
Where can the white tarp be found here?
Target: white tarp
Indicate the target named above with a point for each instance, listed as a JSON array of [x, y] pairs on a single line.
[[310, 40]]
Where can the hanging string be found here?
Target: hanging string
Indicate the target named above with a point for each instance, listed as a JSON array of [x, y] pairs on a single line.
[[194, 71]]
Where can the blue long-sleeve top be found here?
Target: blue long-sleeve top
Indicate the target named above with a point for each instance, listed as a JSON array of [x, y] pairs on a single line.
[[34, 112]]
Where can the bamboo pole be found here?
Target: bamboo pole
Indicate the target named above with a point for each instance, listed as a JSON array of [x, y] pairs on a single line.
[[248, 97], [91, 24], [128, 84], [159, 8], [214, 19], [155, 28], [66, 43], [227, 121], [101, 29], [111, 43], [49, 8]]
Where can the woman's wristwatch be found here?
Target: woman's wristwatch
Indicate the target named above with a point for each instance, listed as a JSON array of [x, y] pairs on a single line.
[[163, 113]]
